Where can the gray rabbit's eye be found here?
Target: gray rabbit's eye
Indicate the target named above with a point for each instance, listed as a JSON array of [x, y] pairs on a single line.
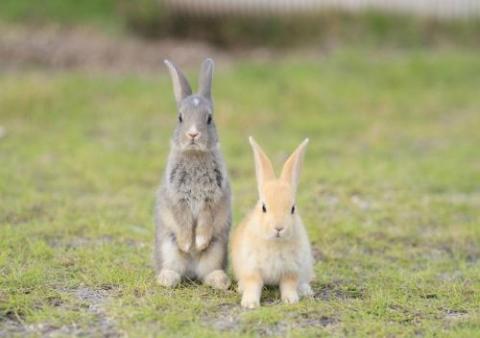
[[209, 120], [264, 208], [180, 119]]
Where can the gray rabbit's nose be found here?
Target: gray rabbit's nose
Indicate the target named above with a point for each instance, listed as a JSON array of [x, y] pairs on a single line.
[[193, 135], [193, 132]]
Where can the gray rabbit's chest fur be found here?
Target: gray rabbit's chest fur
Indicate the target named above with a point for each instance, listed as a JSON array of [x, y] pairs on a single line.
[[196, 180]]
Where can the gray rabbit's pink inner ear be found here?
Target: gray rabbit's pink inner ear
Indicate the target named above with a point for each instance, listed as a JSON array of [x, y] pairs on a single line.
[[205, 79], [181, 87]]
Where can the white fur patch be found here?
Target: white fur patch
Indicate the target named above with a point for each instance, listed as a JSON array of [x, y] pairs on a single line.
[[201, 242], [193, 130], [196, 101]]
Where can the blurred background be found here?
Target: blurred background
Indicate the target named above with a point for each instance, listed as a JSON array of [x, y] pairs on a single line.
[[135, 35]]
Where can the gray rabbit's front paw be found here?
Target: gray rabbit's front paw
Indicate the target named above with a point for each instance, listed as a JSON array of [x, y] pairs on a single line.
[[202, 242], [203, 237], [184, 242]]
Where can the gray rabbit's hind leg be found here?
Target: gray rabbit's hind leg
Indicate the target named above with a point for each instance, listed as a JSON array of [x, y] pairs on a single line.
[[173, 263], [168, 278], [217, 279], [305, 290], [211, 264]]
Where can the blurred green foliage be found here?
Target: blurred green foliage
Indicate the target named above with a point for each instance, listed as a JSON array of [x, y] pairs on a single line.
[[326, 28], [149, 18], [60, 11]]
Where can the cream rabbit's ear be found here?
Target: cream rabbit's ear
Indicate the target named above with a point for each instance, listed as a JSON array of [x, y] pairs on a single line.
[[205, 79], [293, 165], [263, 167], [181, 87]]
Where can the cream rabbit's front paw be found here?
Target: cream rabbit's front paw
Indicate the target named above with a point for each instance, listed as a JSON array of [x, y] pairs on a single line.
[[290, 297], [249, 302]]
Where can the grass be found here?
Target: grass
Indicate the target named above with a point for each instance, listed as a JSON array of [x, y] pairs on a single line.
[[390, 194]]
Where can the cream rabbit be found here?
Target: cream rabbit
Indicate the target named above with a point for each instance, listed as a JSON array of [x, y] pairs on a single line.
[[270, 246]]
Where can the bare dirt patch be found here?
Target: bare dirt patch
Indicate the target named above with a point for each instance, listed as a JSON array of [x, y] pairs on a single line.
[[335, 290], [227, 318], [24, 215], [230, 318], [88, 49], [82, 242], [91, 301], [456, 315], [295, 321], [11, 325]]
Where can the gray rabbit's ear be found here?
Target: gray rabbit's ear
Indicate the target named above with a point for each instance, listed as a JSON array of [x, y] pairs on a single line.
[[205, 79], [181, 87]]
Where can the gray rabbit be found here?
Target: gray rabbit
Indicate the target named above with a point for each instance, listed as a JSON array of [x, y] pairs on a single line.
[[193, 210]]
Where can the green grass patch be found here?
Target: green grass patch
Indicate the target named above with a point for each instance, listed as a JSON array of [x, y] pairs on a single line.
[[390, 195]]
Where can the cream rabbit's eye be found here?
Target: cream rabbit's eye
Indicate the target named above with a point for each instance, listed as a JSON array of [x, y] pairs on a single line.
[[264, 208], [293, 210]]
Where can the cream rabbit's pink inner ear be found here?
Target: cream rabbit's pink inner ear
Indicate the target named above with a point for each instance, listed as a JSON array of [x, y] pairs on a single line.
[[263, 167], [181, 87], [293, 166]]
